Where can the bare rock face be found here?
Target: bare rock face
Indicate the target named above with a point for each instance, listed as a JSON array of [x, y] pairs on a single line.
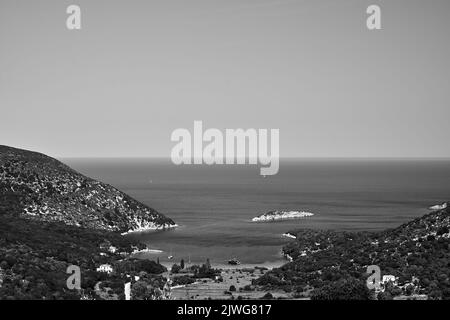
[[43, 188], [439, 206]]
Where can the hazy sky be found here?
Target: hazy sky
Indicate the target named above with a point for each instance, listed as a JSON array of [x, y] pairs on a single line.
[[140, 69]]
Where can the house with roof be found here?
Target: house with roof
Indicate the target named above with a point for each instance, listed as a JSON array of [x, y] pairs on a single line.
[[105, 268], [389, 278]]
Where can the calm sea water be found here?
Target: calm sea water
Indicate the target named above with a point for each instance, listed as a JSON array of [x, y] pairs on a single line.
[[214, 204]]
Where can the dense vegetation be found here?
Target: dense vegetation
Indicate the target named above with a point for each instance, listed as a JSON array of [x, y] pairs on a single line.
[[333, 265], [34, 257]]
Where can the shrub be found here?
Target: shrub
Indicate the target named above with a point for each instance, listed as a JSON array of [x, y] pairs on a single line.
[[175, 268]]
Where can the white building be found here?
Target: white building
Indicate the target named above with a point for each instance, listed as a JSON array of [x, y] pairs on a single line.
[[389, 278], [105, 268], [112, 249], [127, 291], [1, 277]]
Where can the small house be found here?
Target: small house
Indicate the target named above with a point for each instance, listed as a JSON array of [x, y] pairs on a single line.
[[105, 268]]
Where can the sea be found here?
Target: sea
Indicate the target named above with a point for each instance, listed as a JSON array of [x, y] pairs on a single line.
[[214, 205]]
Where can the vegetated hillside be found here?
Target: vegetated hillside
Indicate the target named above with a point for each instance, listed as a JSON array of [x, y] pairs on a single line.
[[34, 256], [333, 265], [52, 217], [46, 189]]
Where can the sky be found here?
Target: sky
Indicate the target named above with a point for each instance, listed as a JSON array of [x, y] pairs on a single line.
[[138, 70]]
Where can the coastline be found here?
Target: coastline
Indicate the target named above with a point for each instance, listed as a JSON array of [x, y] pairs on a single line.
[[269, 265], [165, 227]]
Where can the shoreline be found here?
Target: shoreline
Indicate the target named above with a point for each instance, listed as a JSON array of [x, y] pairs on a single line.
[[151, 229], [269, 265]]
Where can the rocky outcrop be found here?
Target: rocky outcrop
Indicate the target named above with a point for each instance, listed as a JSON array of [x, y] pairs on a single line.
[[281, 215]]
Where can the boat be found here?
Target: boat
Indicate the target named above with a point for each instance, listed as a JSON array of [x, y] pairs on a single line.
[[234, 261]]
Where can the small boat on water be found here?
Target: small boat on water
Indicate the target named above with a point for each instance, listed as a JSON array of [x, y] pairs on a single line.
[[234, 261]]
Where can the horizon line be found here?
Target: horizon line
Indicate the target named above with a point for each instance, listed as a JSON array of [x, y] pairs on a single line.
[[285, 158]]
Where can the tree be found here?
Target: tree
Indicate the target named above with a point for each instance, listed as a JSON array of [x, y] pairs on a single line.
[[182, 263], [347, 289], [384, 296], [141, 291], [176, 268]]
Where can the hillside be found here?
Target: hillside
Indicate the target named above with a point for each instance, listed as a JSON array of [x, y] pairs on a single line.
[[34, 256], [52, 217], [43, 188], [333, 265]]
